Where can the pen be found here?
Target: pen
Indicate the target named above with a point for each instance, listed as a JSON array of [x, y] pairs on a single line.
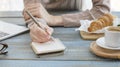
[[34, 19], [31, 16]]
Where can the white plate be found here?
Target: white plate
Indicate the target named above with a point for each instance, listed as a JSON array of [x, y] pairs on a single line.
[[101, 42]]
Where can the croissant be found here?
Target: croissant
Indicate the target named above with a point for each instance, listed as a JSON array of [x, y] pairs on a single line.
[[104, 21]]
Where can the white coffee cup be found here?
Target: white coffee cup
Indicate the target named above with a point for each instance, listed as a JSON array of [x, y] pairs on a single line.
[[112, 38]]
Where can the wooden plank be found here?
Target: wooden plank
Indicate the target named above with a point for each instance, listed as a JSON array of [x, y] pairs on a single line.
[[36, 63], [77, 49]]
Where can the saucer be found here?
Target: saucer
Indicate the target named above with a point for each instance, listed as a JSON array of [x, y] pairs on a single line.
[[101, 42]]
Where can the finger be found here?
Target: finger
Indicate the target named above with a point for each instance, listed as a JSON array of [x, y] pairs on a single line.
[[41, 35], [32, 26], [49, 30], [26, 17], [39, 32], [46, 33], [37, 39], [36, 12], [34, 38]]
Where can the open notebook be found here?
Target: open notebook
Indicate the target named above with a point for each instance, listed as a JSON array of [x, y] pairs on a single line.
[[54, 45]]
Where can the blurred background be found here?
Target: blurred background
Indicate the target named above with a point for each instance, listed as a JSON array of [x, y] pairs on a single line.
[[11, 5], [17, 5], [10, 10]]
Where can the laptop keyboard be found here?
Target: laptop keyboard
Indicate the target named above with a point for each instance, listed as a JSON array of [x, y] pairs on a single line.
[[2, 34]]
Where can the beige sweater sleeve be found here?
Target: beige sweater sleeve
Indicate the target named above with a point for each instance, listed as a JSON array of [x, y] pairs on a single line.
[[99, 8], [69, 20], [54, 4], [26, 2]]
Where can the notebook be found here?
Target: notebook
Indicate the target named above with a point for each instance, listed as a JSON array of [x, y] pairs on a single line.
[[8, 30], [52, 46]]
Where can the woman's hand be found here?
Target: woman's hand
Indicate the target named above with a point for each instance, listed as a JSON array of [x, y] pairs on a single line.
[[37, 10], [33, 9], [39, 35]]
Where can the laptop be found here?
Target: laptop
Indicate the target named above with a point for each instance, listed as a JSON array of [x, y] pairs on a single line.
[[8, 30], [52, 46]]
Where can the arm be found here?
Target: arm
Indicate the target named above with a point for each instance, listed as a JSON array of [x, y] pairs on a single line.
[[100, 7], [37, 34]]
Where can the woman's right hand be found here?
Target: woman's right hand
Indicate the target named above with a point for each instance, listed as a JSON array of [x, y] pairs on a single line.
[[34, 9], [38, 11], [39, 35]]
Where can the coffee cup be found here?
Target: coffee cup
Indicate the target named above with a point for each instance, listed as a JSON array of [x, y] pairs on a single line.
[[112, 37]]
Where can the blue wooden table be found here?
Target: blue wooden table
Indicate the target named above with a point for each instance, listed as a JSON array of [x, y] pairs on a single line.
[[77, 53]]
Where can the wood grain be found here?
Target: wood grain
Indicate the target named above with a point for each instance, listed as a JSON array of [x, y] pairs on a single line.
[[36, 63], [90, 36], [77, 54], [106, 53]]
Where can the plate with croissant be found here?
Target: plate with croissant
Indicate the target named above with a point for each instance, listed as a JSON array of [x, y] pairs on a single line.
[[95, 29]]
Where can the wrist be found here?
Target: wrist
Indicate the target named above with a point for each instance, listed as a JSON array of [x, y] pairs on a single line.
[[55, 21], [58, 20]]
